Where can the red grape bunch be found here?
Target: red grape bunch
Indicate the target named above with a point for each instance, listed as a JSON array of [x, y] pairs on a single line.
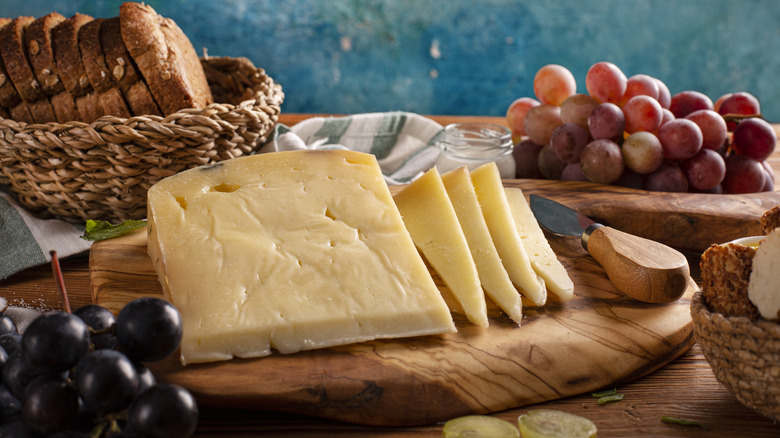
[[631, 131], [82, 374]]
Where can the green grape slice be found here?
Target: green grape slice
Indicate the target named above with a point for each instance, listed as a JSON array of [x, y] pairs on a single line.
[[479, 426], [550, 423]]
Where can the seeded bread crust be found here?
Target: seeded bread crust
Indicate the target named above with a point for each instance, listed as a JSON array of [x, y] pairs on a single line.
[[8, 95], [40, 52], [95, 65], [68, 57], [725, 275], [165, 57], [123, 70], [13, 51]]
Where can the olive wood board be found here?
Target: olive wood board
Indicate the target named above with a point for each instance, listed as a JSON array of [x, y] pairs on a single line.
[[597, 340]]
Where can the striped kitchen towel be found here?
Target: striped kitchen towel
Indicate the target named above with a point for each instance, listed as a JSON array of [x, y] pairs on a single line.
[[404, 144]]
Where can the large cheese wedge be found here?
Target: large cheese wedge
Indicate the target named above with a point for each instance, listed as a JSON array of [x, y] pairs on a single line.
[[498, 216], [431, 220], [288, 251], [494, 278], [543, 258]]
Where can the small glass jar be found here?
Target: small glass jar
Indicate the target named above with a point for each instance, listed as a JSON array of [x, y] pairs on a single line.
[[473, 144]]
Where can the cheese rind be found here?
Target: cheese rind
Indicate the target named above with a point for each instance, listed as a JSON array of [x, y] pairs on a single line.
[[288, 251], [498, 216], [431, 220], [542, 257], [492, 274]]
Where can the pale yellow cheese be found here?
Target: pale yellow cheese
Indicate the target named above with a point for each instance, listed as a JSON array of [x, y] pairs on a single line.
[[498, 216], [492, 274], [288, 251], [543, 258], [431, 220]]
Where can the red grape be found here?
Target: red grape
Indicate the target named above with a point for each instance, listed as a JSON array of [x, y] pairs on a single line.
[[705, 170], [719, 102], [743, 175], [526, 154], [541, 121], [755, 138], [568, 141], [515, 115], [664, 96], [573, 172], [686, 102], [666, 116], [550, 165], [607, 121], [643, 113], [606, 82], [602, 162], [681, 139], [642, 152], [577, 109], [640, 85], [667, 178], [713, 128], [630, 179], [740, 103], [553, 84]]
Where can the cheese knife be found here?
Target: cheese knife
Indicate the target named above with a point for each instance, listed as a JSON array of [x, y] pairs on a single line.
[[642, 269]]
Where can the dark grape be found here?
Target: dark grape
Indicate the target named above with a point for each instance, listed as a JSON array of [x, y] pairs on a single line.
[[526, 154], [50, 404], [743, 175], [145, 377], [7, 325], [101, 323], [106, 380], [10, 406], [11, 342], [148, 329], [607, 121], [667, 178], [705, 170], [18, 429], [602, 161], [631, 179], [19, 371], [56, 340], [550, 165], [755, 138], [573, 172], [164, 411], [568, 141]]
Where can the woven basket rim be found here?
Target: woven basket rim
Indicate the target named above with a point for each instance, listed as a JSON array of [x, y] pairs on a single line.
[[107, 124], [700, 309]]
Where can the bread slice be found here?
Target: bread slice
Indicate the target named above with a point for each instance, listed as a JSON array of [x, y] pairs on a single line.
[[13, 52], [99, 76], [9, 98], [21, 112], [165, 57], [40, 53], [725, 276], [68, 59], [123, 70]]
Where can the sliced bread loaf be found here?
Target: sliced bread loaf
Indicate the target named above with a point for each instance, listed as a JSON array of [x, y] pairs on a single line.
[[165, 57], [8, 95], [95, 65], [123, 70]]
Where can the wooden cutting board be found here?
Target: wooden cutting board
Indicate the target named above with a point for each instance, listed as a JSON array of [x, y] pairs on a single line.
[[600, 339]]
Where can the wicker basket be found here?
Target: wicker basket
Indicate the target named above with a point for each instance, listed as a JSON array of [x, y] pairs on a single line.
[[76, 171], [743, 354]]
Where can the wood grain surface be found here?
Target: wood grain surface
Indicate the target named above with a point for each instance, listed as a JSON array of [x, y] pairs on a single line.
[[599, 339]]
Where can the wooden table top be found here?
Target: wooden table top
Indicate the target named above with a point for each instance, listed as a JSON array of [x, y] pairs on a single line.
[[685, 389]]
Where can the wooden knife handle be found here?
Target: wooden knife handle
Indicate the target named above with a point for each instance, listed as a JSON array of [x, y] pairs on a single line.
[[643, 269]]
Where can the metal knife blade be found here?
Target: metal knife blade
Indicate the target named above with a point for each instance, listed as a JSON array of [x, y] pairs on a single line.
[[561, 220], [640, 268]]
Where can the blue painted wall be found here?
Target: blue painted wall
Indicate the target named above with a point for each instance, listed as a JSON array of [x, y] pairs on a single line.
[[471, 57]]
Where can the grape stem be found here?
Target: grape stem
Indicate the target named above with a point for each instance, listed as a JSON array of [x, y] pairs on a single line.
[[55, 266]]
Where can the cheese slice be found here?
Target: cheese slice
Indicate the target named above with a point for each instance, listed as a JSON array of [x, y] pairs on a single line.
[[431, 220], [288, 251], [498, 216], [543, 258], [494, 278]]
